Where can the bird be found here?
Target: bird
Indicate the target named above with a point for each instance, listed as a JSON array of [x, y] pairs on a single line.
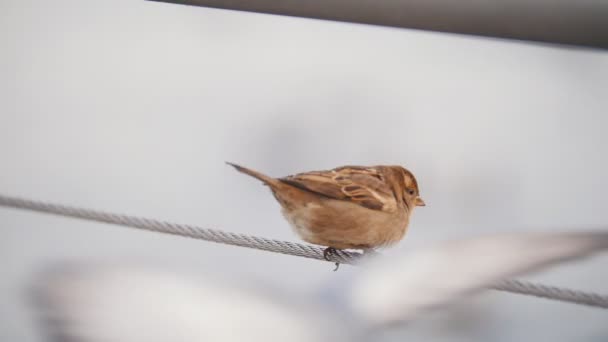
[[348, 207]]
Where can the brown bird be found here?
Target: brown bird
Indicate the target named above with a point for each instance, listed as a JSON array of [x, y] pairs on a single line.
[[347, 207]]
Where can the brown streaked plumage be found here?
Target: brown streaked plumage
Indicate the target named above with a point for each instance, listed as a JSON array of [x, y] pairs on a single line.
[[347, 207]]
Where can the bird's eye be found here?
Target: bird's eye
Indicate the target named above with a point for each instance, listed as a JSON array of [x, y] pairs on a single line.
[[411, 192]]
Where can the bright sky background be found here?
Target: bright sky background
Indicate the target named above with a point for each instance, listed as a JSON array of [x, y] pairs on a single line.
[[133, 107]]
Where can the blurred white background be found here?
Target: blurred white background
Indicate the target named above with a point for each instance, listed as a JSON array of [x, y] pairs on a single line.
[[133, 107]]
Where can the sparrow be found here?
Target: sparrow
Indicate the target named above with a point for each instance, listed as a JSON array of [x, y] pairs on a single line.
[[349, 207]]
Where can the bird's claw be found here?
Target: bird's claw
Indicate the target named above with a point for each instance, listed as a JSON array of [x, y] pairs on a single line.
[[330, 251]]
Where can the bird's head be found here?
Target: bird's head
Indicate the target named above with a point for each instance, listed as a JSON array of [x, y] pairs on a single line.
[[408, 186]]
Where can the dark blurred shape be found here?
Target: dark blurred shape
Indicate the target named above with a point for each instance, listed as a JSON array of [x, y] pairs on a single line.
[[580, 23]]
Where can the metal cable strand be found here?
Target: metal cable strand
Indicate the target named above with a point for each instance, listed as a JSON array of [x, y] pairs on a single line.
[[553, 292], [212, 235], [283, 247]]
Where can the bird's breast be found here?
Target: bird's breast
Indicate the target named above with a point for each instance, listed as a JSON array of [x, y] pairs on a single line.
[[343, 224]]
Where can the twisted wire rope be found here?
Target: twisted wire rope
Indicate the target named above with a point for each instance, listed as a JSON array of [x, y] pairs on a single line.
[[277, 246]]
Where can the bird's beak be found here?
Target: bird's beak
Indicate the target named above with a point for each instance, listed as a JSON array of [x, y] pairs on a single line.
[[420, 202]]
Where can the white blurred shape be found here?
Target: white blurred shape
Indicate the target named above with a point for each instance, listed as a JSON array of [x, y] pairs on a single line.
[[135, 304], [398, 288]]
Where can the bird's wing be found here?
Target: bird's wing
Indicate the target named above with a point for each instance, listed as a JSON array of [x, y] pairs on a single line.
[[399, 288], [365, 186]]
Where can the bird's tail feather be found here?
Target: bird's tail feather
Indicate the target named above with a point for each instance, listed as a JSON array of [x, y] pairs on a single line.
[[266, 179]]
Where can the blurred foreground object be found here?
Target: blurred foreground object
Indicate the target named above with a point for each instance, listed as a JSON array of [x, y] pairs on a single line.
[[582, 23], [121, 303], [89, 303], [401, 288]]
